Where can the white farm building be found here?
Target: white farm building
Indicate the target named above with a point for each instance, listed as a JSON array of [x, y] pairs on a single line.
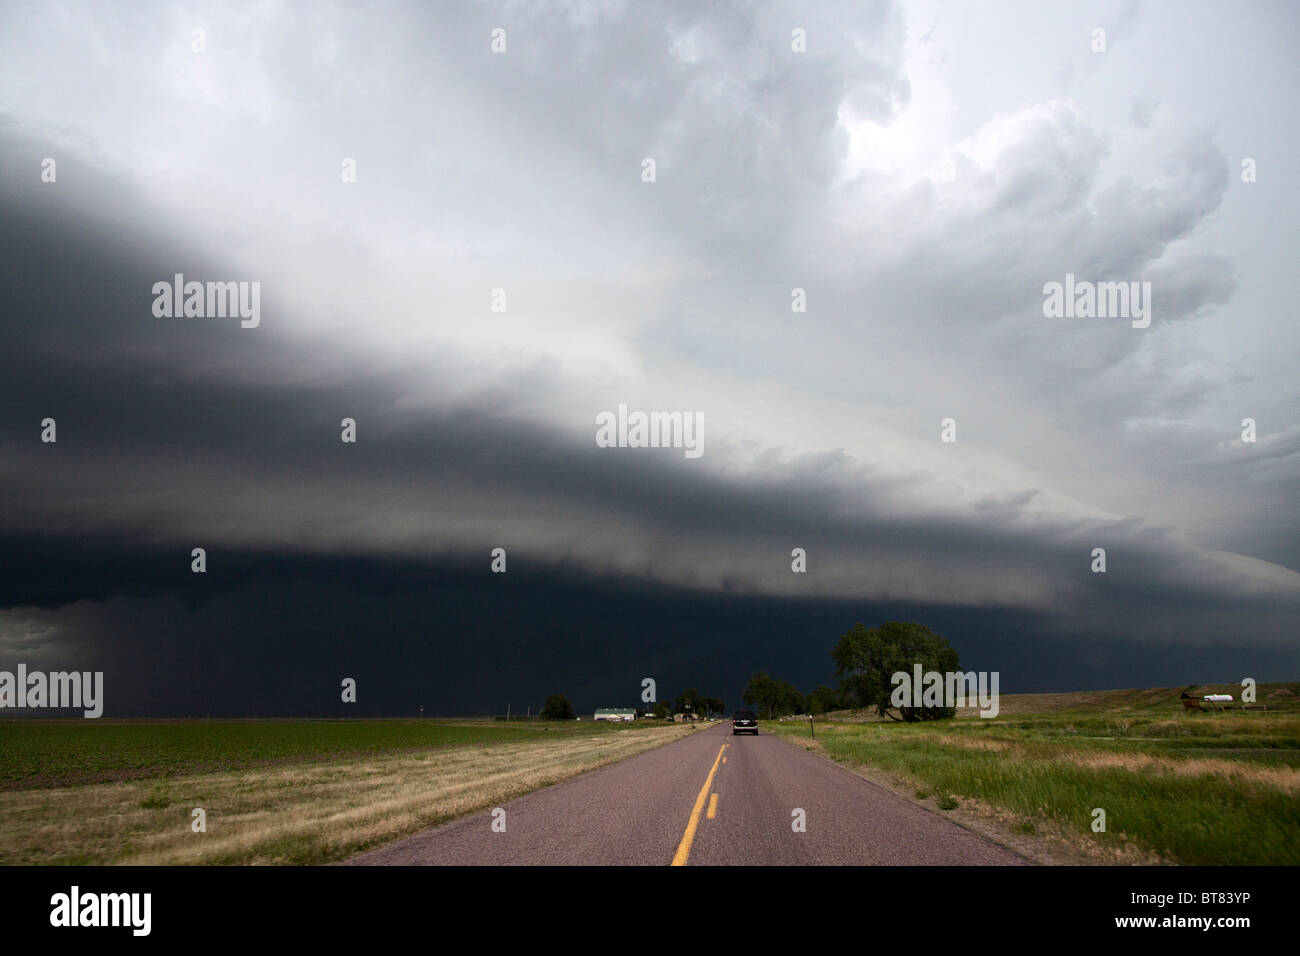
[[615, 713]]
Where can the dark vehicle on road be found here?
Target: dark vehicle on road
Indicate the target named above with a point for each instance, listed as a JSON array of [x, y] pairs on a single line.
[[744, 722]]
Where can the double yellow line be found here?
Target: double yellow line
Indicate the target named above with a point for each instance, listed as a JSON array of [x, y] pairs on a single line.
[[684, 848]]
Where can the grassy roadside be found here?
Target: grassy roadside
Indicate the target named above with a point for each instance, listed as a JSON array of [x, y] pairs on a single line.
[[1195, 788], [366, 784]]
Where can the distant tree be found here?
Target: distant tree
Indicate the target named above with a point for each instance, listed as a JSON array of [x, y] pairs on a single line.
[[759, 691], [823, 700], [690, 697], [557, 707], [661, 710], [701, 704], [777, 697], [792, 701], [866, 659]]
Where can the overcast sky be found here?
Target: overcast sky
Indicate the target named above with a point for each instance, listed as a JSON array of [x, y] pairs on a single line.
[[920, 171]]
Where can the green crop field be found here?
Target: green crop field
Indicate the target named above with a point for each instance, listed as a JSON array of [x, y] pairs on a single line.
[[53, 753]]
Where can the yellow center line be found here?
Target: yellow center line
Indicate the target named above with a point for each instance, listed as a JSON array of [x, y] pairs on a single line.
[[713, 803], [684, 848]]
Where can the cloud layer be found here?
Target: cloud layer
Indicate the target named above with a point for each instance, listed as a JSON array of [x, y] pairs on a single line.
[[920, 220]]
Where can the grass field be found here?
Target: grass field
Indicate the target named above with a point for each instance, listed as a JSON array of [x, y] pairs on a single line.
[[91, 792], [1176, 786]]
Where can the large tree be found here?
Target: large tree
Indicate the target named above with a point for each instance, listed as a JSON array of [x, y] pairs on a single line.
[[556, 707], [777, 697], [866, 659]]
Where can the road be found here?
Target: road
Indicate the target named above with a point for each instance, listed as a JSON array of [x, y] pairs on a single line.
[[709, 799]]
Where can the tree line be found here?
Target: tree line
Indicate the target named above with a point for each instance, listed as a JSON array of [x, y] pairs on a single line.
[[558, 706], [865, 659]]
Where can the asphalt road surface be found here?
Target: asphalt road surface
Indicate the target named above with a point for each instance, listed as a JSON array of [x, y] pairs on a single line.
[[709, 799]]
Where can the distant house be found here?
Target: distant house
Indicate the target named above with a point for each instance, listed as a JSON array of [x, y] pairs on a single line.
[[615, 713], [1215, 701]]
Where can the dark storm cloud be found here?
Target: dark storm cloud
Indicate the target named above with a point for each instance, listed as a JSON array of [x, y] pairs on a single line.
[[325, 560], [185, 433], [274, 636]]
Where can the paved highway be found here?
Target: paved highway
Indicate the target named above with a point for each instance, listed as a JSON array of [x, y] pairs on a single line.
[[710, 799]]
